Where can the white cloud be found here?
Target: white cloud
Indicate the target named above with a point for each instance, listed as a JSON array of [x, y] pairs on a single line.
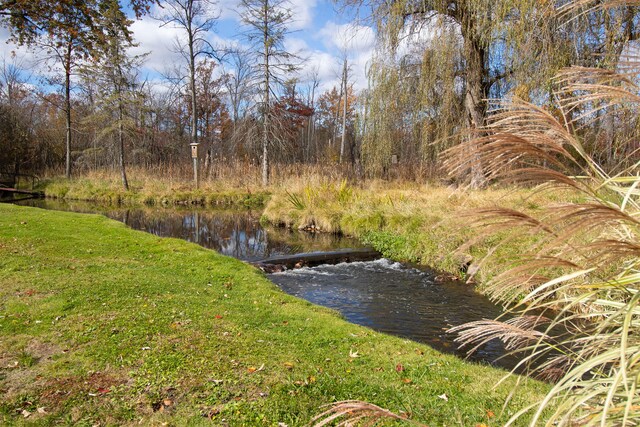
[[229, 9], [296, 46], [302, 14], [357, 42], [347, 37], [327, 67], [156, 40]]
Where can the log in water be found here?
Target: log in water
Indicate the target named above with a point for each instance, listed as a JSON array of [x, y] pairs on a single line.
[[313, 259]]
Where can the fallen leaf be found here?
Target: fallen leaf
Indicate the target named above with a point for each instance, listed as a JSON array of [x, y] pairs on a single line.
[[218, 316], [252, 369], [481, 425], [406, 381], [490, 414], [399, 367], [103, 390], [353, 354], [444, 397], [288, 365], [26, 413], [41, 410], [167, 402]]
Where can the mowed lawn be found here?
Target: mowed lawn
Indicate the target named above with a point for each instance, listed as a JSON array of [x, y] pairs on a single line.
[[103, 325]]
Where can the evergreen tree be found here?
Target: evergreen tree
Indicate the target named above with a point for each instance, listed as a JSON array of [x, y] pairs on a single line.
[[113, 73]]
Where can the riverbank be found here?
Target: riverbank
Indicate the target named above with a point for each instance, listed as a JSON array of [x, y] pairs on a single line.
[[429, 224], [103, 324], [107, 188], [424, 224]]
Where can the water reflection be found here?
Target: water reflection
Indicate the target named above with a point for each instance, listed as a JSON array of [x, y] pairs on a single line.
[[235, 233]]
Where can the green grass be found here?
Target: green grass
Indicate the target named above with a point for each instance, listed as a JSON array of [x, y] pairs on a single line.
[[102, 325]]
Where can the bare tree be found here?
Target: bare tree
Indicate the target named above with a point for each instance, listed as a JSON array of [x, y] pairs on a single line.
[[267, 22], [239, 83], [196, 18], [345, 105]]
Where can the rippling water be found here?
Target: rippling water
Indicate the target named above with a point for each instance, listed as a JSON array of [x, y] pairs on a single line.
[[396, 299]]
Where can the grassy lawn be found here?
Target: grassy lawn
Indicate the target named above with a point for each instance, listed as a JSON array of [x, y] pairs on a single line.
[[102, 325]]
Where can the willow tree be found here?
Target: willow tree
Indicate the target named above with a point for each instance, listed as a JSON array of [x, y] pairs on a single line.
[[450, 56]]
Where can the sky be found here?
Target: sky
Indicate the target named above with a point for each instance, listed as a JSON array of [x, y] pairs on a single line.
[[319, 35]]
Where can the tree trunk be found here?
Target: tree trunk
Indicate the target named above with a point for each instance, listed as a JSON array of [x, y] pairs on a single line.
[[265, 139], [192, 84], [336, 116], [67, 110], [475, 101], [267, 106], [344, 110], [123, 172]]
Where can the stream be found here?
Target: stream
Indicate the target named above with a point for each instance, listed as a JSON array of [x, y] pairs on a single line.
[[389, 297]]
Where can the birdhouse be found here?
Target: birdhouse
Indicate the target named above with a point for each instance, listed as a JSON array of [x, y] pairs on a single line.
[[194, 150]]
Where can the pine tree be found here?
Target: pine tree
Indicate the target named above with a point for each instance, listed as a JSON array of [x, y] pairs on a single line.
[[113, 73]]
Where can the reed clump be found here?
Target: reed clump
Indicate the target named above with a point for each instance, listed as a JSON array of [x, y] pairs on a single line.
[[573, 294], [574, 297]]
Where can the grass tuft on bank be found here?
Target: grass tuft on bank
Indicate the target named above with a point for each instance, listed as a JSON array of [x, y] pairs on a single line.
[[425, 224], [103, 325]]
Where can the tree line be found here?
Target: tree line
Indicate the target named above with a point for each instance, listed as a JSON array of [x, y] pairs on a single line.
[[439, 70]]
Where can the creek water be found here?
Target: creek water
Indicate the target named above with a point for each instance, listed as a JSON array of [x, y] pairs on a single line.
[[389, 297]]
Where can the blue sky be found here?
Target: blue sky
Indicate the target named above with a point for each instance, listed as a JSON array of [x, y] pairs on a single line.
[[320, 34]]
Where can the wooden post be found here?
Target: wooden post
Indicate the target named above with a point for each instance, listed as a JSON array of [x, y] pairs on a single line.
[[194, 156]]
